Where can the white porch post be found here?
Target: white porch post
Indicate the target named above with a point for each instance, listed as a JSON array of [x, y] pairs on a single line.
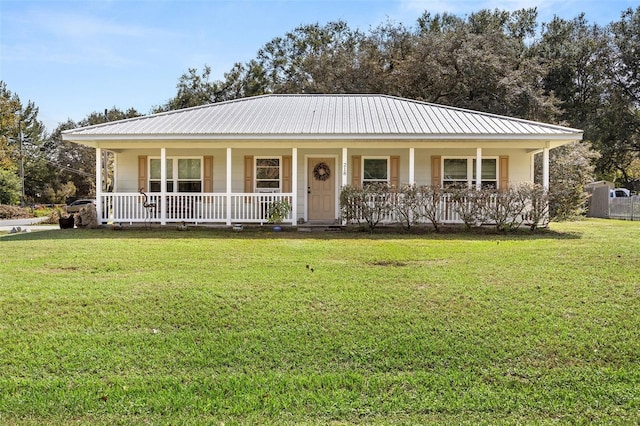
[[344, 180], [532, 173], [294, 186], [163, 186], [344, 167], [228, 186], [99, 184], [545, 169], [412, 166], [478, 168]]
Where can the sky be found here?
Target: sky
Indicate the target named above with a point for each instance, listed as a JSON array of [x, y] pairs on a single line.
[[72, 58]]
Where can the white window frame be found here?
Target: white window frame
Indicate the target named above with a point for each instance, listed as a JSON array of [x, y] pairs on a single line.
[[255, 174], [470, 168], [174, 179], [376, 157]]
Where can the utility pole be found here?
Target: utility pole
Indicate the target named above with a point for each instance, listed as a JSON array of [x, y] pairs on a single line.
[[21, 137]]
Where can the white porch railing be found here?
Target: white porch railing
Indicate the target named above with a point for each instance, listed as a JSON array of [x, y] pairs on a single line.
[[226, 208], [191, 207], [446, 211]]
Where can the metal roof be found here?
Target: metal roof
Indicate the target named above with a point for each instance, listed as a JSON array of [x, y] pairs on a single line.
[[349, 116]]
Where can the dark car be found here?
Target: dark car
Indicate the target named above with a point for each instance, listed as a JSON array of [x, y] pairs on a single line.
[[78, 204]]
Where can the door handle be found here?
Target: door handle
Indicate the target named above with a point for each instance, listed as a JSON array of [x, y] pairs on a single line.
[[309, 190]]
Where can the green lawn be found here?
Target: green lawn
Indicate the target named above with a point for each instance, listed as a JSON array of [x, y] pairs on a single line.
[[212, 327]]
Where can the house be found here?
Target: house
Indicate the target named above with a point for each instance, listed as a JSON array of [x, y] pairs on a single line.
[[226, 162]]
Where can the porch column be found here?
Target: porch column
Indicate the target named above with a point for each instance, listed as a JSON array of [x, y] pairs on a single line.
[[294, 186], [99, 184], [344, 167], [412, 166], [163, 186], [545, 169], [228, 186], [532, 173], [478, 168], [344, 182]]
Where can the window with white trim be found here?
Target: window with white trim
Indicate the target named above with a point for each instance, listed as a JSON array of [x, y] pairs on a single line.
[[489, 173], [183, 175], [375, 170], [268, 177], [461, 171]]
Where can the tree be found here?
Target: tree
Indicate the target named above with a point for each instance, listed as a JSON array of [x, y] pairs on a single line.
[[482, 63], [9, 187], [626, 40], [575, 54], [21, 137], [571, 167], [312, 59], [381, 57], [243, 81], [74, 166], [9, 107], [593, 71], [618, 131], [616, 138], [193, 90]]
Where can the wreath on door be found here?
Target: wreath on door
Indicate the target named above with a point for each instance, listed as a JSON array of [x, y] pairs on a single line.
[[321, 171]]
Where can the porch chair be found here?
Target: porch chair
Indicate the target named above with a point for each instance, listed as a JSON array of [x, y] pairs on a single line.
[[149, 208]]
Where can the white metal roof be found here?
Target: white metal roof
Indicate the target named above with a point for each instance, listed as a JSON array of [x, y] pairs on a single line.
[[299, 116]]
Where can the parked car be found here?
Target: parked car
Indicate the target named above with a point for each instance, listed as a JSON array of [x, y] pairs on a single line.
[[619, 193], [78, 204]]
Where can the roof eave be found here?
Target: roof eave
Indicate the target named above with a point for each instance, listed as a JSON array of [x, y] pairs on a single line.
[[361, 136]]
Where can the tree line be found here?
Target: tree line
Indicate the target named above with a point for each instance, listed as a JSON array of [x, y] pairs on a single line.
[[566, 71]]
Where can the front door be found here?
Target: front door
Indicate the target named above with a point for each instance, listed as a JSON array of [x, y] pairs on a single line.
[[321, 198]]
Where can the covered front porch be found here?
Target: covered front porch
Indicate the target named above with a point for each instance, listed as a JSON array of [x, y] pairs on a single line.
[[223, 204], [223, 209]]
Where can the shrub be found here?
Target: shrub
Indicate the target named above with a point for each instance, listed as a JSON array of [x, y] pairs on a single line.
[[430, 204], [506, 208], [470, 204], [371, 204], [406, 205], [537, 212], [278, 211], [376, 203], [13, 212], [350, 200]]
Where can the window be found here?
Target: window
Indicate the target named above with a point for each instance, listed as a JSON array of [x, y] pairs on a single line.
[[189, 172], [462, 171], [187, 179], [455, 172], [375, 170], [489, 172], [154, 175], [268, 174]]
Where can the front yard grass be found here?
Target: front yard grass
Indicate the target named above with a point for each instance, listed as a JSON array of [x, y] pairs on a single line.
[[211, 326]]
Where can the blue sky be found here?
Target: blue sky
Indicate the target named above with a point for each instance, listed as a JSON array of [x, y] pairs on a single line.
[[75, 57]]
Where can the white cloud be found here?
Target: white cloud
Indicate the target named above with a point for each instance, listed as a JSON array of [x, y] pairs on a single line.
[[79, 38]]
